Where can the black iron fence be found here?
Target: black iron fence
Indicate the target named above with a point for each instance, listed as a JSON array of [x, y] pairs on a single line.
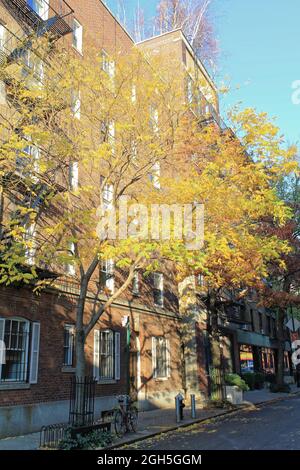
[[82, 401], [217, 383]]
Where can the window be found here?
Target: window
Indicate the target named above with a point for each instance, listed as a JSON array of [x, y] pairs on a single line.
[[107, 194], [106, 355], [107, 274], [161, 357], [154, 119], [2, 37], [200, 280], [77, 35], [107, 65], [76, 104], [158, 289], [69, 345], [70, 268], [155, 175], [30, 242], [40, 7], [189, 90], [34, 67], [28, 161], [21, 341], [136, 283], [73, 176]]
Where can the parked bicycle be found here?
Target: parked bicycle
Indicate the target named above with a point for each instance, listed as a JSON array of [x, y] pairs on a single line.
[[125, 416]]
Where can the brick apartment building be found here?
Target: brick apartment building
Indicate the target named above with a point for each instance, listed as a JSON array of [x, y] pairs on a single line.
[[149, 343], [38, 331]]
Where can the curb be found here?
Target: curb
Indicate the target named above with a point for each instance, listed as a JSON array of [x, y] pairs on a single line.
[[247, 405]]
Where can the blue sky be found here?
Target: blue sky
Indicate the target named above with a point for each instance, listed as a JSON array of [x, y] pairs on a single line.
[[259, 42]]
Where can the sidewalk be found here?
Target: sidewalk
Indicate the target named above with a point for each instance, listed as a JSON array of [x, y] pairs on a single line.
[[159, 421]]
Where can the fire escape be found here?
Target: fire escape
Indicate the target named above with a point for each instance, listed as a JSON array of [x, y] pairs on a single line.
[[36, 19]]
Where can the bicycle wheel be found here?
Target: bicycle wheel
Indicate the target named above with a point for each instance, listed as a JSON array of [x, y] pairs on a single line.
[[133, 418], [120, 427]]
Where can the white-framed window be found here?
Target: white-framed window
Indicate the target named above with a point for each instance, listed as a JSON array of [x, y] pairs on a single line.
[[21, 340], [107, 65], [2, 36], [106, 355], [158, 289], [161, 364], [76, 104], [28, 161], [69, 345], [136, 283], [107, 195], [107, 278], [190, 90], [34, 67], [73, 176], [70, 267], [133, 93], [154, 119], [77, 35], [200, 280], [155, 175], [40, 7], [30, 243]]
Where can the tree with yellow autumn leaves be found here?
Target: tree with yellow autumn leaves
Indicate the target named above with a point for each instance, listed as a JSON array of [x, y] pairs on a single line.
[[75, 141]]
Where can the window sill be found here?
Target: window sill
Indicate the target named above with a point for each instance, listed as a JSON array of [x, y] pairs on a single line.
[[14, 386], [68, 369], [161, 379], [106, 381]]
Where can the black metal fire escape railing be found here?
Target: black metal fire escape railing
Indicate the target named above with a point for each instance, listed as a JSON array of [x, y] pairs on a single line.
[[208, 113], [42, 17], [16, 47]]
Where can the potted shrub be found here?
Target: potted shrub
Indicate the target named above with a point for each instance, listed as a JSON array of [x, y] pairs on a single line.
[[234, 388]]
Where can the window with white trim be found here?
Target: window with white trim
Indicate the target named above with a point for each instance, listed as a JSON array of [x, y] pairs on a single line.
[[190, 90], [77, 35], [21, 341], [107, 194], [106, 355], [73, 176], [154, 119], [107, 274], [76, 104], [107, 65], [70, 267], [28, 161], [30, 243], [158, 289], [155, 175], [2, 36], [40, 7], [69, 345], [161, 357]]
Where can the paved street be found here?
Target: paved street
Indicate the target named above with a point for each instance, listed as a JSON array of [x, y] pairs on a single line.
[[274, 426]]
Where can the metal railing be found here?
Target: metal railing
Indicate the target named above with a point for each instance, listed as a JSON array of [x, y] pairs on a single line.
[[55, 18], [82, 401]]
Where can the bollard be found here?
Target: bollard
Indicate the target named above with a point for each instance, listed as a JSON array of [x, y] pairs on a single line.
[[179, 405], [193, 407]]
